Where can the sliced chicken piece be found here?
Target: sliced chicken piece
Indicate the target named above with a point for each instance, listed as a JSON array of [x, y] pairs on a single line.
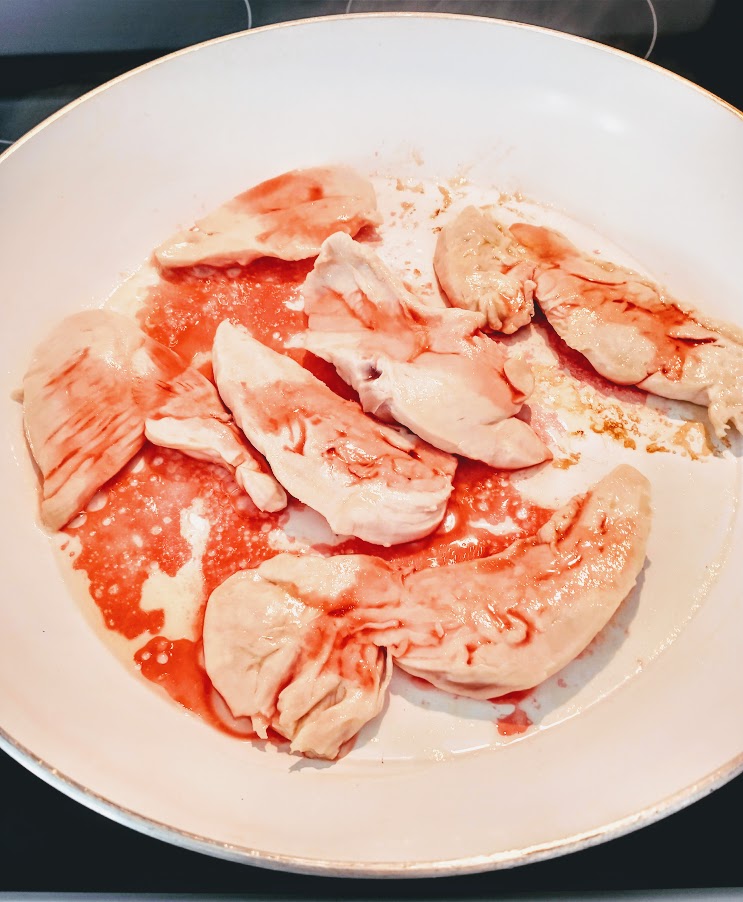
[[366, 479], [507, 622], [289, 645], [96, 387], [218, 442], [287, 217], [632, 334], [429, 369], [481, 266]]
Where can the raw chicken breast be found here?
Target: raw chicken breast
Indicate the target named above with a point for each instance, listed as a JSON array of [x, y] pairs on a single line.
[[287, 217], [503, 623], [482, 267], [634, 335], [289, 645], [96, 387], [428, 368], [366, 479]]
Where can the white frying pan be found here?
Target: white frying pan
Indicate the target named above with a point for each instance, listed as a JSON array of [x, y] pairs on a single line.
[[641, 157]]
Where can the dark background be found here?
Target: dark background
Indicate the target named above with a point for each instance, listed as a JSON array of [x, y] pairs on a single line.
[[49, 843]]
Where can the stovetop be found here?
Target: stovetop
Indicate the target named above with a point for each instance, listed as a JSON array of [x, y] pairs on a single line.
[[49, 843]]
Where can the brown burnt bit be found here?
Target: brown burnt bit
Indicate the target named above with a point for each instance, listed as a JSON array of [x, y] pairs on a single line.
[[655, 448], [564, 463], [616, 429], [683, 438], [416, 188], [446, 194]]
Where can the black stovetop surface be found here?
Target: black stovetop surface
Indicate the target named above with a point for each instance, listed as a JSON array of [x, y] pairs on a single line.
[[50, 843]]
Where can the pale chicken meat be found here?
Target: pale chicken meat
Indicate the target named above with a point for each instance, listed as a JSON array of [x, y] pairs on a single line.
[[430, 369], [503, 623], [289, 645], [632, 334], [287, 217], [481, 266], [366, 479], [97, 387]]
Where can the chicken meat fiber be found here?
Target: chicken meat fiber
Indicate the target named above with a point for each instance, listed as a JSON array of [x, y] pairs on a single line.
[[365, 478], [503, 623], [481, 266], [430, 369], [97, 387], [632, 334], [289, 644], [287, 217]]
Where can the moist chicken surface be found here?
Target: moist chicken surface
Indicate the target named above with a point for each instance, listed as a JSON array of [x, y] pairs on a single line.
[[287, 217], [97, 387], [366, 479], [507, 622], [631, 333], [300, 644], [429, 369], [482, 267], [289, 644]]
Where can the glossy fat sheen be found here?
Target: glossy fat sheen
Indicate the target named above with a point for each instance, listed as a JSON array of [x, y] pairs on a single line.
[[96, 387], [366, 479], [429, 369], [481, 266], [504, 623], [278, 653], [287, 217], [627, 352]]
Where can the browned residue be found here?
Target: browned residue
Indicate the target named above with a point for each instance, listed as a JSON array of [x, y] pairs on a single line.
[[655, 448], [416, 187], [446, 194], [564, 463], [458, 182], [684, 437], [616, 429]]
